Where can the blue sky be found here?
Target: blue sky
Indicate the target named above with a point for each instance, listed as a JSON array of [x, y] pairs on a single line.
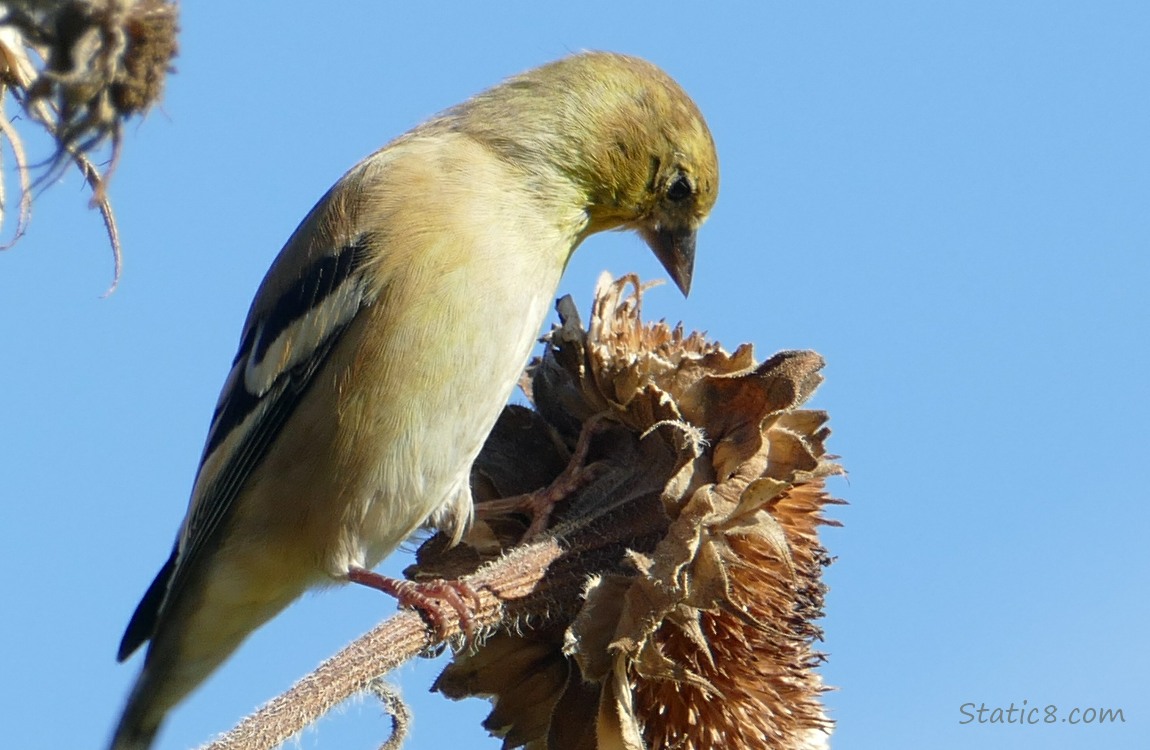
[[949, 201]]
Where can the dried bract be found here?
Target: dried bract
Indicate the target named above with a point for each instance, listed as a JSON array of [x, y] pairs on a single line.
[[682, 611]]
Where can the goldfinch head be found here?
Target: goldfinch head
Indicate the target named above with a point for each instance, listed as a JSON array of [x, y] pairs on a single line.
[[620, 130]]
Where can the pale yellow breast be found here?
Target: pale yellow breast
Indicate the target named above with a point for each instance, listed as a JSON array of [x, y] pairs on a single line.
[[471, 268]]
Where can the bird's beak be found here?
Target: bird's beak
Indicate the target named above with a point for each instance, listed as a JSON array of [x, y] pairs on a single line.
[[675, 249]]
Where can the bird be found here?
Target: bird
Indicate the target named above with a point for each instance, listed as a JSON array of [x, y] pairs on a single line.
[[388, 334]]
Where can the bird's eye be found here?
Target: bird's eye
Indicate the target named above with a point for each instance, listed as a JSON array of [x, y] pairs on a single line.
[[680, 189]]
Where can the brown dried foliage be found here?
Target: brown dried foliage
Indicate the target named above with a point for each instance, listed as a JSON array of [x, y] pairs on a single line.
[[692, 563], [103, 61]]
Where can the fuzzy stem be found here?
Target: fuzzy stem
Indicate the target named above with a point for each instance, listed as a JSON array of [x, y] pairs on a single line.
[[508, 589]]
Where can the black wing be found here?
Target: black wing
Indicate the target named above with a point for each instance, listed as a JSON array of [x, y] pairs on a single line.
[[285, 344]]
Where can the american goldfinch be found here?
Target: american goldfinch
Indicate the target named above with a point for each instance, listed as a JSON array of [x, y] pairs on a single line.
[[390, 331]]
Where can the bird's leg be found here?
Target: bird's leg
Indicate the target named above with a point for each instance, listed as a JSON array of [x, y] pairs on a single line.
[[429, 597], [539, 504]]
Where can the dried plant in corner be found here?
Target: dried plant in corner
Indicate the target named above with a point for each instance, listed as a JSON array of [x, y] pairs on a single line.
[[671, 601], [103, 61]]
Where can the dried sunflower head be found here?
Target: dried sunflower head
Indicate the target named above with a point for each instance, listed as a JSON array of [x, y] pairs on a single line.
[[101, 62], [105, 61], [681, 614]]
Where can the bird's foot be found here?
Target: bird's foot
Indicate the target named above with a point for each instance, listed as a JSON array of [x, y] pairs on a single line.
[[539, 504], [432, 598]]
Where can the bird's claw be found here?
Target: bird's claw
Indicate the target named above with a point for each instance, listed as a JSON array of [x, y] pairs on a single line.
[[431, 598], [538, 505]]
